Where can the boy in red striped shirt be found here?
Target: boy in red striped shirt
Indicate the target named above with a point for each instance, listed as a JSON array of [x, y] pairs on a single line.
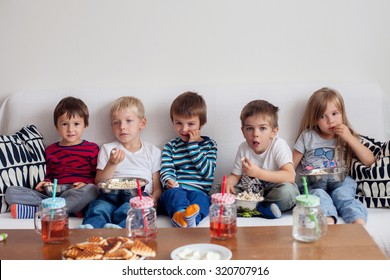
[[70, 161]]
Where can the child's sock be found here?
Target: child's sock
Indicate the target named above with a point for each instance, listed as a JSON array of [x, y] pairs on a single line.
[[269, 211], [178, 220], [86, 226], [108, 225], [21, 211], [190, 215]]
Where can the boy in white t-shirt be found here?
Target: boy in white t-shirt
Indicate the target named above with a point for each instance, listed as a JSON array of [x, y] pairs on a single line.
[[264, 161], [128, 156]]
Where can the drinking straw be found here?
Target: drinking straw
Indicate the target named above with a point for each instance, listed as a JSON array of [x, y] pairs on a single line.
[[54, 195], [305, 186], [146, 228], [221, 207], [139, 190], [311, 216], [223, 184]]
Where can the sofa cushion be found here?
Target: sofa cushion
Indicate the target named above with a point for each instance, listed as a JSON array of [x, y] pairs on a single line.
[[373, 182], [22, 161]]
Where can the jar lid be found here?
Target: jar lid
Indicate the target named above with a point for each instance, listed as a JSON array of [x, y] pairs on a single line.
[[226, 198], [138, 203], [53, 203], [309, 201]]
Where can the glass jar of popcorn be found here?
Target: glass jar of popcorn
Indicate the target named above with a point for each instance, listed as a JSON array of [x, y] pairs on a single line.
[[223, 216], [141, 222]]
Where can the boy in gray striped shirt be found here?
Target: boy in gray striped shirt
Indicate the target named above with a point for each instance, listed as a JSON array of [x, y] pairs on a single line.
[[188, 163]]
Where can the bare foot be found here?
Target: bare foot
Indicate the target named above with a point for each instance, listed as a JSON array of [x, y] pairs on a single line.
[[359, 222], [330, 220]]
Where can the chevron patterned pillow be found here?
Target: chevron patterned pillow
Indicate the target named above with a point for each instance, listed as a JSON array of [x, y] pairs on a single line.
[[22, 161], [373, 182]]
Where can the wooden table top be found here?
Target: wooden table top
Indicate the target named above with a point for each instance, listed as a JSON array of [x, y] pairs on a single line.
[[348, 242]]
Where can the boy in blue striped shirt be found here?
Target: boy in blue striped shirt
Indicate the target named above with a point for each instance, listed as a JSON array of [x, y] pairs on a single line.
[[188, 163]]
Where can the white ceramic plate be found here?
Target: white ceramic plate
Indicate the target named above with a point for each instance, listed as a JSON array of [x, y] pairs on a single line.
[[201, 251]]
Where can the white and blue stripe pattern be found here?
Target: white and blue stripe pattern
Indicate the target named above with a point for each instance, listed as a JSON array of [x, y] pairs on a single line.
[[26, 211], [191, 164]]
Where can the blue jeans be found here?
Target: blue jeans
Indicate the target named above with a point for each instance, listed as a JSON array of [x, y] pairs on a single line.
[[109, 208], [178, 199], [340, 199]]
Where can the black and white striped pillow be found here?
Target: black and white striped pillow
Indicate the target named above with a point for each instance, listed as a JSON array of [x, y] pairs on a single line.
[[373, 182], [22, 161]]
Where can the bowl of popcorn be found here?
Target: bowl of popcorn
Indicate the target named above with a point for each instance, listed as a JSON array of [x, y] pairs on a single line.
[[248, 200], [328, 175], [60, 188], [116, 185]]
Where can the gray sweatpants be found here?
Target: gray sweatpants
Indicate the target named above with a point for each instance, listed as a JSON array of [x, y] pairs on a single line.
[[76, 199]]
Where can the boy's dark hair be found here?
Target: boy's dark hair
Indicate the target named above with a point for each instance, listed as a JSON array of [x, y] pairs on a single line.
[[189, 104], [260, 107], [71, 106]]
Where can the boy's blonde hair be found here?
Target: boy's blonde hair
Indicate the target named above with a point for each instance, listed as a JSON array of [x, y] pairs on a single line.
[[128, 103], [189, 104], [316, 107], [71, 106], [263, 108]]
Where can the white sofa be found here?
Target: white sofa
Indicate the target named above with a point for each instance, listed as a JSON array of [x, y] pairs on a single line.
[[365, 103]]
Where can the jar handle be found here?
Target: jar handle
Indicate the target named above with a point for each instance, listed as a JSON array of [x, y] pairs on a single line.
[[37, 224], [324, 226]]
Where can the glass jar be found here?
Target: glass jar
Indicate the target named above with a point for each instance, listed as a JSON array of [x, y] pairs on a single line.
[[309, 222], [223, 216], [54, 221], [141, 222]]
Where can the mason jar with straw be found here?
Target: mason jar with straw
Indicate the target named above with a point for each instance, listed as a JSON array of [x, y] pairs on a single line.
[[309, 222], [141, 221], [54, 221], [223, 214]]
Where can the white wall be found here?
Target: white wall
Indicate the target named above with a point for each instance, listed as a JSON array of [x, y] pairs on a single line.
[[60, 44]]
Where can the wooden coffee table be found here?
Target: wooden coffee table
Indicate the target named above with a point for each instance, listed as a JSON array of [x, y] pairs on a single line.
[[342, 242]]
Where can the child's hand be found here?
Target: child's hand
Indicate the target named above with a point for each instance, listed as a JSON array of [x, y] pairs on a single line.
[[229, 188], [40, 186], [171, 184], [343, 131], [194, 136], [78, 185], [116, 156], [249, 168]]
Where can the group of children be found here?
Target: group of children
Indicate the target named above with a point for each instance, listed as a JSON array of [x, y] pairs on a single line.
[[181, 175]]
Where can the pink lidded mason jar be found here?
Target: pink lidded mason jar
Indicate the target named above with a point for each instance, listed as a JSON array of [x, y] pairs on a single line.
[[223, 216], [141, 222]]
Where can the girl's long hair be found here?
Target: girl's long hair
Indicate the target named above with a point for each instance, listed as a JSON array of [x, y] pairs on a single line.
[[316, 107]]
